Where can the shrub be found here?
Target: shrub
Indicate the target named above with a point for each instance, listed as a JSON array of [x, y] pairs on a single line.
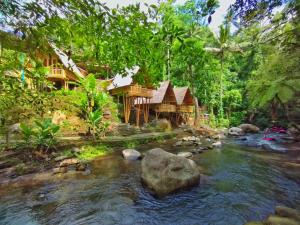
[[237, 118], [41, 135], [223, 122]]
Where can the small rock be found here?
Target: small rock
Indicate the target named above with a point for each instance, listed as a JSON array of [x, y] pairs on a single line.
[[42, 195], [59, 170], [178, 143], [131, 154], [208, 139], [198, 143], [80, 167], [196, 151], [76, 150], [249, 128], [60, 158], [235, 131], [68, 162], [191, 139], [287, 212], [217, 144], [255, 223], [185, 154]]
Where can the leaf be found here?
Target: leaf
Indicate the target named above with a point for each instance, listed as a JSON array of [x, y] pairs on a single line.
[[285, 94]]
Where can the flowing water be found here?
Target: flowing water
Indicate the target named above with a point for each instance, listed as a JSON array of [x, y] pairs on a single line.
[[242, 186]]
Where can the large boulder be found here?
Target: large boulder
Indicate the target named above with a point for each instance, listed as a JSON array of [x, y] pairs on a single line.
[[164, 172], [185, 154], [235, 131], [249, 128], [131, 154]]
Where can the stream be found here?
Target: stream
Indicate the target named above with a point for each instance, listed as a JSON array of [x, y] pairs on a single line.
[[243, 185]]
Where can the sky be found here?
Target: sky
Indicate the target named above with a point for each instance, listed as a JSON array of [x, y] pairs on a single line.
[[217, 17]]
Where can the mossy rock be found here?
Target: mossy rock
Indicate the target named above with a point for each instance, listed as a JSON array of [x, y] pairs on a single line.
[[288, 212], [255, 223], [277, 220]]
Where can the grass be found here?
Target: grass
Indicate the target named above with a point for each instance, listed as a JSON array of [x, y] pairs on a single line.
[[90, 152], [131, 144]]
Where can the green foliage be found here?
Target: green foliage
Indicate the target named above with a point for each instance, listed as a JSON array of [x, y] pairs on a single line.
[[131, 144], [27, 133], [90, 152], [222, 122], [236, 118], [41, 135], [166, 42], [92, 104]]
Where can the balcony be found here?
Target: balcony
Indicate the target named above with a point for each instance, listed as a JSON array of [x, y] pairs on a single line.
[[133, 91], [56, 73], [185, 109], [165, 108]]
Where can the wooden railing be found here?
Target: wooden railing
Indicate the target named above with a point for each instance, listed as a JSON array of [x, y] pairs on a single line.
[[185, 108], [139, 91], [55, 72], [165, 108]]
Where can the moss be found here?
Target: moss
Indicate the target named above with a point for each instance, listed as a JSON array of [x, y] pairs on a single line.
[[22, 169], [131, 144], [90, 152], [68, 153]]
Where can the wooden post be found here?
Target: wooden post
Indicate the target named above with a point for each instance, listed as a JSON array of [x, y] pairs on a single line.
[[127, 108], [146, 112], [65, 84], [138, 112]]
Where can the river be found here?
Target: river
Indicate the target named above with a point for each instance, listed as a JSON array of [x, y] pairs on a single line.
[[242, 186]]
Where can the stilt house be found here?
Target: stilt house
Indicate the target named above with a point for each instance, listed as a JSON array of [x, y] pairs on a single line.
[[185, 103], [130, 92], [163, 100], [62, 69]]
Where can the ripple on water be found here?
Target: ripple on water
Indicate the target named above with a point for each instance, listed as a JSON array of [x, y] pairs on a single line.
[[241, 188]]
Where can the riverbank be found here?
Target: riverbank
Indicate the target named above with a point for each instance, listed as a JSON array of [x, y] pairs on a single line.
[[18, 162], [73, 154]]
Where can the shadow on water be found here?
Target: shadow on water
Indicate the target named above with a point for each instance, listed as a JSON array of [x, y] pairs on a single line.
[[243, 187]]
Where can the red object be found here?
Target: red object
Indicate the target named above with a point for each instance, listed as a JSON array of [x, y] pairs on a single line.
[[268, 139]]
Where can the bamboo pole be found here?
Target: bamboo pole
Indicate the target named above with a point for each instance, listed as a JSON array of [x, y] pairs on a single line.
[[138, 112]]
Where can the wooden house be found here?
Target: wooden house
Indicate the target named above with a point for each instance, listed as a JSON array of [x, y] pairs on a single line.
[[185, 103], [63, 72], [163, 99], [130, 92]]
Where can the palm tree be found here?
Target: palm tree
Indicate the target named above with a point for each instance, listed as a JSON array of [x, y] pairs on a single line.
[[224, 45]]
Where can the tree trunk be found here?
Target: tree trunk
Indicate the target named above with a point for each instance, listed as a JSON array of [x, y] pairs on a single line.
[[221, 89], [196, 104], [168, 63]]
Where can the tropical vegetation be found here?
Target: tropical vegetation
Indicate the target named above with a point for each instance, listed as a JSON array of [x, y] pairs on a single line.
[[247, 71]]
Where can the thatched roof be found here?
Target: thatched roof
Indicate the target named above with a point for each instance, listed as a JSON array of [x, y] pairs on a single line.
[[122, 81], [66, 60], [164, 91], [183, 96]]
